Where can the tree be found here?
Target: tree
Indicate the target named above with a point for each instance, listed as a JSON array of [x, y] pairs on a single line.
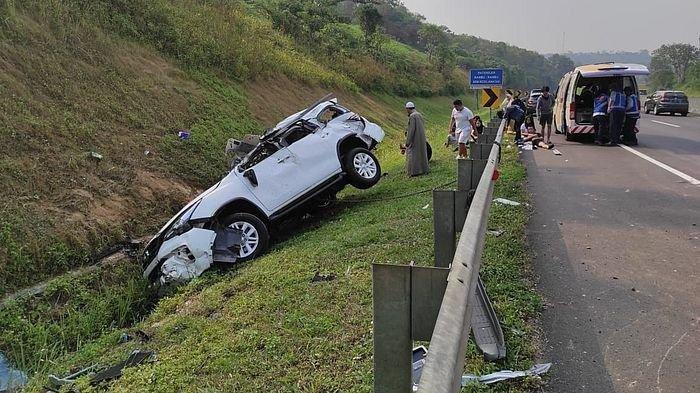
[[370, 21], [662, 76], [432, 36], [679, 56], [369, 18], [560, 65]]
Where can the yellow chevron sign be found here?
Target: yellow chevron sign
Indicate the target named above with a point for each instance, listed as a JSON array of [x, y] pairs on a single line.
[[490, 96]]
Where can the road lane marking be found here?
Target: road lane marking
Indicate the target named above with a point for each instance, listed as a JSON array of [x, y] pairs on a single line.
[[666, 124], [660, 164]]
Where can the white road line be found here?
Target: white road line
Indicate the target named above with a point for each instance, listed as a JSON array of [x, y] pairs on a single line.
[[660, 164], [666, 124]]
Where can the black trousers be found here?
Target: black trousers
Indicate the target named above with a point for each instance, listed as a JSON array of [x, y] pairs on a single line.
[[617, 119], [518, 133], [628, 130], [600, 124]]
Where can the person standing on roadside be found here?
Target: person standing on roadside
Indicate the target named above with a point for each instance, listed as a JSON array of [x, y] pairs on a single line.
[[463, 121], [600, 117], [631, 117], [517, 114], [616, 110], [543, 109], [416, 146]]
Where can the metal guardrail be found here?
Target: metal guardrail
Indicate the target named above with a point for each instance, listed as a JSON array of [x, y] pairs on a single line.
[[444, 364], [421, 303]]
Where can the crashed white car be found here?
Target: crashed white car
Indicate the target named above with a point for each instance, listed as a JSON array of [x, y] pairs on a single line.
[[305, 160]]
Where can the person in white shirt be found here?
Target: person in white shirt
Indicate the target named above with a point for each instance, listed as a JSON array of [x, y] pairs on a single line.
[[463, 121]]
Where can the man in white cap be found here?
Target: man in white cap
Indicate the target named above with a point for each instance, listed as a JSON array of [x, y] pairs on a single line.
[[416, 144]]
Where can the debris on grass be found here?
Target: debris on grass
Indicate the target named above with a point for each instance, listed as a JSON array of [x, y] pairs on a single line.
[[95, 156], [498, 376], [323, 277], [183, 135], [505, 201], [495, 232]]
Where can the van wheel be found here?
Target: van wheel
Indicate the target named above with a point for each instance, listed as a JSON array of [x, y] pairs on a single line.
[[569, 136], [362, 168], [430, 150], [684, 114]]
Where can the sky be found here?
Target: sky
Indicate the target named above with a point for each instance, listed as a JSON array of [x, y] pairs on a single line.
[[581, 26]]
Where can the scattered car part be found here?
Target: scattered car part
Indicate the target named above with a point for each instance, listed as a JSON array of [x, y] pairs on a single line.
[[302, 162], [487, 331], [503, 375]]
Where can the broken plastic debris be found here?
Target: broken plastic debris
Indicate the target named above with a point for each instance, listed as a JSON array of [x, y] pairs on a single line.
[[323, 277], [183, 135], [556, 152], [426, 206], [498, 376], [95, 155], [505, 201], [495, 232], [10, 379], [146, 152]]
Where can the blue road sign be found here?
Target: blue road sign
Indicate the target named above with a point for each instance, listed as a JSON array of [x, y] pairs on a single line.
[[486, 77]]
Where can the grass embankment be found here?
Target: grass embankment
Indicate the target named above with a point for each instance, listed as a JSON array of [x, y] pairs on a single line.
[[120, 79], [265, 327]]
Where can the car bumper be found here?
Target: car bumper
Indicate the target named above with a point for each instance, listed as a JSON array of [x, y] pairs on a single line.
[[673, 107], [179, 258]]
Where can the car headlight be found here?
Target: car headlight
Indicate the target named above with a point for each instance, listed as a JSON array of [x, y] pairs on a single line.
[[181, 225]]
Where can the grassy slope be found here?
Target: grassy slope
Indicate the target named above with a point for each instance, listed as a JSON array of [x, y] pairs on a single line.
[[265, 327]]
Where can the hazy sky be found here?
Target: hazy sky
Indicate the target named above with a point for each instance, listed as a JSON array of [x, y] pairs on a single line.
[[540, 24]]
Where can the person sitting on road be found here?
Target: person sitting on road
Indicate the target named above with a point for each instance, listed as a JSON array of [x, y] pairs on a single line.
[[631, 116], [544, 112], [600, 117], [617, 106]]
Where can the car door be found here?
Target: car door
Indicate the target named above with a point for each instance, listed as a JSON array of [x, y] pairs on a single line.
[[275, 180]]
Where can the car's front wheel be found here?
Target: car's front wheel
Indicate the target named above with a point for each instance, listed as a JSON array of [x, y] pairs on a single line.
[[254, 236], [656, 110], [362, 168]]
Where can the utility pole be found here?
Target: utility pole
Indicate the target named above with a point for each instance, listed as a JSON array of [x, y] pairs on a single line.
[[563, 41]]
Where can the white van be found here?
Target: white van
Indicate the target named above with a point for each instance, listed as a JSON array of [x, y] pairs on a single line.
[[573, 106]]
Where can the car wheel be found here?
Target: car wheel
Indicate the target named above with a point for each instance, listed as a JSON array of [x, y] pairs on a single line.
[[430, 150], [362, 168], [255, 235], [684, 114], [656, 110]]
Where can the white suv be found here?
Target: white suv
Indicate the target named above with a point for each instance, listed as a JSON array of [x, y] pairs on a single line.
[[305, 160]]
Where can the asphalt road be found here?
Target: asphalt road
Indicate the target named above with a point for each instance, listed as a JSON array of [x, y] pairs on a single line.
[[616, 251]]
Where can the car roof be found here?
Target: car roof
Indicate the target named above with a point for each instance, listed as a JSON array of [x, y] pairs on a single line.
[[611, 69]]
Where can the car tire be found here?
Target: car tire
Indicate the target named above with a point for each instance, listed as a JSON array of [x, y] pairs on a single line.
[[430, 150], [684, 114], [656, 110], [257, 236], [362, 168]]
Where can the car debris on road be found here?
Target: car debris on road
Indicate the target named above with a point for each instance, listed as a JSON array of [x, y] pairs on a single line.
[[304, 161]]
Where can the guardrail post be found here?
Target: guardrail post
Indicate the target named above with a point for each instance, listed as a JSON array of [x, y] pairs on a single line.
[[445, 234], [391, 304], [469, 173], [406, 302]]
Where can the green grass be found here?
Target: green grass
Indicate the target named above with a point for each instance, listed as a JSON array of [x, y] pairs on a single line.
[[264, 326]]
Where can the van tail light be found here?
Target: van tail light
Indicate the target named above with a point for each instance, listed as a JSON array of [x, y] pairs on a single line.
[[572, 111]]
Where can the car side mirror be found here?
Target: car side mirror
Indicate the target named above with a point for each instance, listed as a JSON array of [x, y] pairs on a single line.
[[250, 175]]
